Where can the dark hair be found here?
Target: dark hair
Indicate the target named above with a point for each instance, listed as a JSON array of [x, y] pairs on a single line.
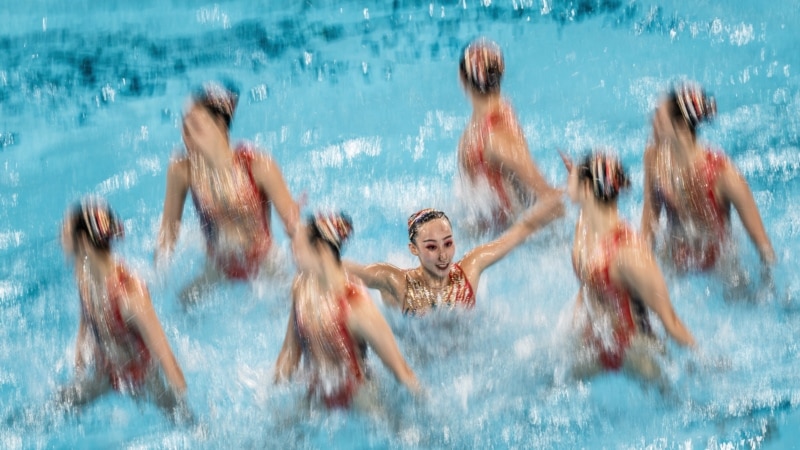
[[219, 100], [95, 219], [605, 173], [422, 217], [481, 65], [332, 229], [690, 104], [675, 114]]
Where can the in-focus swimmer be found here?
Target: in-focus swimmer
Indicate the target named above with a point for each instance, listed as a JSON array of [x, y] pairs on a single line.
[[439, 282]]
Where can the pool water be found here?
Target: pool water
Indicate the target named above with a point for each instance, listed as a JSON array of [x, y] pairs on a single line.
[[360, 104]]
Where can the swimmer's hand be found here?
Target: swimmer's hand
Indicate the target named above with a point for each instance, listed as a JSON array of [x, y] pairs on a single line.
[[700, 361], [420, 394], [181, 414], [162, 259], [766, 289]]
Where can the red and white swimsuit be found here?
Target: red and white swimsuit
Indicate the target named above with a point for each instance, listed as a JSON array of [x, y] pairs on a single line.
[[337, 386], [120, 350], [615, 316], [506, 200], [250, 208], [695, 240]]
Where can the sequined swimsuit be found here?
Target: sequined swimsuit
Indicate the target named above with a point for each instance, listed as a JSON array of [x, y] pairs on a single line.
[[337, 387], [121, 352], [250, 204], [705, 231], [473, 164], [627, 314], [420, 298]]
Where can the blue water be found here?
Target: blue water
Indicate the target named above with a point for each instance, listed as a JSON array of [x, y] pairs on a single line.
[[360, 104]]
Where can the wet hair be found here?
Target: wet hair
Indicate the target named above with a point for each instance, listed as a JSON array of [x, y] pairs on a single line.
[[482, 66], [606, 175], [422, 217], [94, 218], [690, 103], [332, 229], [218, 100]]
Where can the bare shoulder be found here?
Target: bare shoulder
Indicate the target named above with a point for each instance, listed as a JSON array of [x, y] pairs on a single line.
[[649, 155], [136, 296], [132, 283], [633, 254], [259, 155], [179, 168]]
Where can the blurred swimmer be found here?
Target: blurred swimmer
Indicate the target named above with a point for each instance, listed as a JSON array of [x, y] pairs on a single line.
[[696, 187], [333, 321], [498, 176], [232, 190], [119, 331], [439, 282], [619, 278]]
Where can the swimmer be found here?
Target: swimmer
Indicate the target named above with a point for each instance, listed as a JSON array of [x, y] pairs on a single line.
[[232, 190], [333, 321], [439, 282], [696, 186], [119, 331], [619, 278], [493, 157]]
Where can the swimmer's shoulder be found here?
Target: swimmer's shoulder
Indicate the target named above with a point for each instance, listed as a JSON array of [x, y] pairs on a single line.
[[179, 168]]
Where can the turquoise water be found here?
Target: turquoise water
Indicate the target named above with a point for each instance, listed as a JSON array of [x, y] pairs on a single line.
[[361, 106]]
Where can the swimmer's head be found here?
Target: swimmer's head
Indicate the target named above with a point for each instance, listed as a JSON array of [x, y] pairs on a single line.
[[422, 217], [93, 218], [481, 66], [692, 104], [219, 100], [605, 174], [333, 229]]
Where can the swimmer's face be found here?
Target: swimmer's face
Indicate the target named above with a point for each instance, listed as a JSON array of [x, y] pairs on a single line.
[[201, 127], [435, 247], [307, 252], [663, 127], [69, 241]]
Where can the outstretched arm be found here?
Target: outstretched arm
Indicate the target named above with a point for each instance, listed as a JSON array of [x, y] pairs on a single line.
[[386, 278], [509, 151], [651, 207], [735, 189], [546, 209], [366, 322], [138, 310], [291, 351], [635, 267], [270, 180], [175, 197]]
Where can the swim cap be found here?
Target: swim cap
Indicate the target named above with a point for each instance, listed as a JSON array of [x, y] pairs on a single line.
[[695, 106], [333, 228], [99, 221], [482, 65], [421, 217], [607, 175], [219, 99]]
